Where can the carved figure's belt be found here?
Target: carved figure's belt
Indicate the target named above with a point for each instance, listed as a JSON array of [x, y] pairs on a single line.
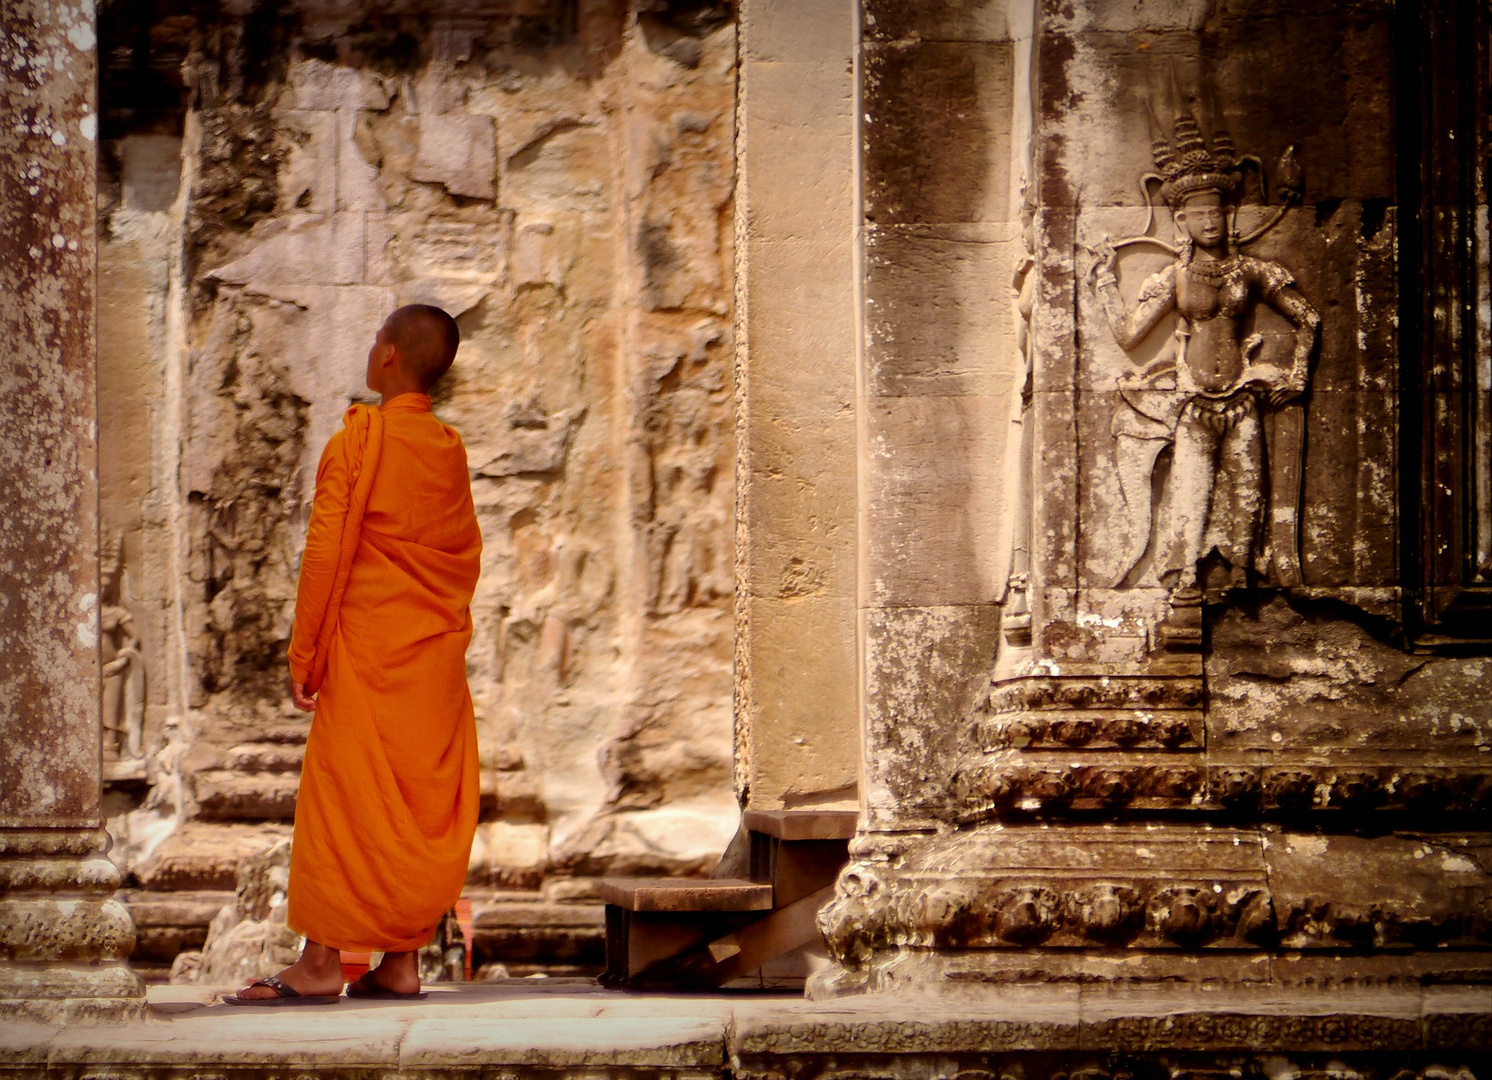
[[1220, 414]]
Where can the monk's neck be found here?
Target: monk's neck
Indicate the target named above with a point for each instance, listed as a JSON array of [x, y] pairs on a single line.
[[407, 399]]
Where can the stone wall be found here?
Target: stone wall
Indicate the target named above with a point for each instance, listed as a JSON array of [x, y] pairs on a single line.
[[559, 176]]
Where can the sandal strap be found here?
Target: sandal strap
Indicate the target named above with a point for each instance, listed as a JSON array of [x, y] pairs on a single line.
[[284, 990]]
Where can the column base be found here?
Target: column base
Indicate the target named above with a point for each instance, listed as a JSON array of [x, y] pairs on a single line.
[[47, 993], [1155, 903], [64, 939]]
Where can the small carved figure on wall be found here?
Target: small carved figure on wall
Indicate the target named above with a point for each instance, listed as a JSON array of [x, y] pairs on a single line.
[[1206, 395], [1015, 620], [123, 706]]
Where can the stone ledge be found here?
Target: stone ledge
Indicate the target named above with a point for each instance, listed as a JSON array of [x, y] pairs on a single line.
[[549, 1026], [1149, 1019], [657, 1041]]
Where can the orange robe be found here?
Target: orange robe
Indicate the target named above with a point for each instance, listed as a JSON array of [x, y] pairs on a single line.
[[389, 789]]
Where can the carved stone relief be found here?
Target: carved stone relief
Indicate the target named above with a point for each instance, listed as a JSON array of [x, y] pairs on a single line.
[[123, 711], [1203, 441], [1206, 396], [1015, 622]]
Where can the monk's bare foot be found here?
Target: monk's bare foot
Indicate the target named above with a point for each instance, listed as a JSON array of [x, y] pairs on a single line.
[[398, 973], [318, 972]]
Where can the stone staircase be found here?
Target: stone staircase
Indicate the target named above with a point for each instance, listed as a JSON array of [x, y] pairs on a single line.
[[244, 803], [257, 781], [681, 933], [169, 922], [244, 797]]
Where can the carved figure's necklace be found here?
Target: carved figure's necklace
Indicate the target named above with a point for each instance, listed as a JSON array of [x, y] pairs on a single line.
[[1212, 271]]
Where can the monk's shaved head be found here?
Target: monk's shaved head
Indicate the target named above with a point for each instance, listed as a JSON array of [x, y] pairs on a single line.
[[426, 338]]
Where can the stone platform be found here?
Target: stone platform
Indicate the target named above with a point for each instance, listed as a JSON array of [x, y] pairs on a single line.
[[572, 1028]]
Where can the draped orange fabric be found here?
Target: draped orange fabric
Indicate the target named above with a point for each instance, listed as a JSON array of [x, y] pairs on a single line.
[[389, 788]]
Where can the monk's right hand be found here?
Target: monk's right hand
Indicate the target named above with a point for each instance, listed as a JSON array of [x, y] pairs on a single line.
[[303, 701]]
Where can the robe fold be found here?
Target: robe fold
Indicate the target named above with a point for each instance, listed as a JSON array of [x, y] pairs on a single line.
[[389, 788]]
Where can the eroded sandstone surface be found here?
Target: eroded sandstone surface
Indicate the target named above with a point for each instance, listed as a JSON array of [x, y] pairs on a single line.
[[560, 179]]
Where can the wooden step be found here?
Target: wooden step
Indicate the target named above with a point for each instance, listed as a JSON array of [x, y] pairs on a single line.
[[798, 852], [687, 894], [738, 953], [649, 920], [670, 932], [796, 825]]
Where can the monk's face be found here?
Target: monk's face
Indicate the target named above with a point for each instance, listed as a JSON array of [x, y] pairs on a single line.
[[379, 357]]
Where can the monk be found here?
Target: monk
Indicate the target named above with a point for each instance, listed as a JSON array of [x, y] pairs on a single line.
[[389, 788]]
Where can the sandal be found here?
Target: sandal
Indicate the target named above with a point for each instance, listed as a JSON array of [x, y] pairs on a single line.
[[285, 994]]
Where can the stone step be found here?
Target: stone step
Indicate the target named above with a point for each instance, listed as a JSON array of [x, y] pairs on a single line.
[[525, 934], [545, 1028], [265, 757], [533, 935], [167, 923], [226, 795], [294, 733], [206, 855]]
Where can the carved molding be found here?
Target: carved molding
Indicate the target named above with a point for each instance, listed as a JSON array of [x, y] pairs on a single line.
[[1024, 787], [876, 912], [1096, 692], [1093, 730], [64, 938], [989, 913]]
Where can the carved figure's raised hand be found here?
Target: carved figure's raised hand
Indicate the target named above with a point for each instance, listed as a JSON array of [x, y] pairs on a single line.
[[1105, 259]]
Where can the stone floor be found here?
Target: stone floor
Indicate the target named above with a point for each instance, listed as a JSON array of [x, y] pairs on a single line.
[[572, 1028]]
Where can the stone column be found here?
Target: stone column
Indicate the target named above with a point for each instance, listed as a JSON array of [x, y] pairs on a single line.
[[63, 938], [940, 376], [796, 715]]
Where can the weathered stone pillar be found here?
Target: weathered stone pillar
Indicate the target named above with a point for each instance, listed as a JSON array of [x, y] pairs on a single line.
[[63, 938], [1195, 690], [940, 375]]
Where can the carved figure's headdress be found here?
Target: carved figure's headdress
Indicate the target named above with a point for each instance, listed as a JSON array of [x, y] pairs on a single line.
[[1189, 167]]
